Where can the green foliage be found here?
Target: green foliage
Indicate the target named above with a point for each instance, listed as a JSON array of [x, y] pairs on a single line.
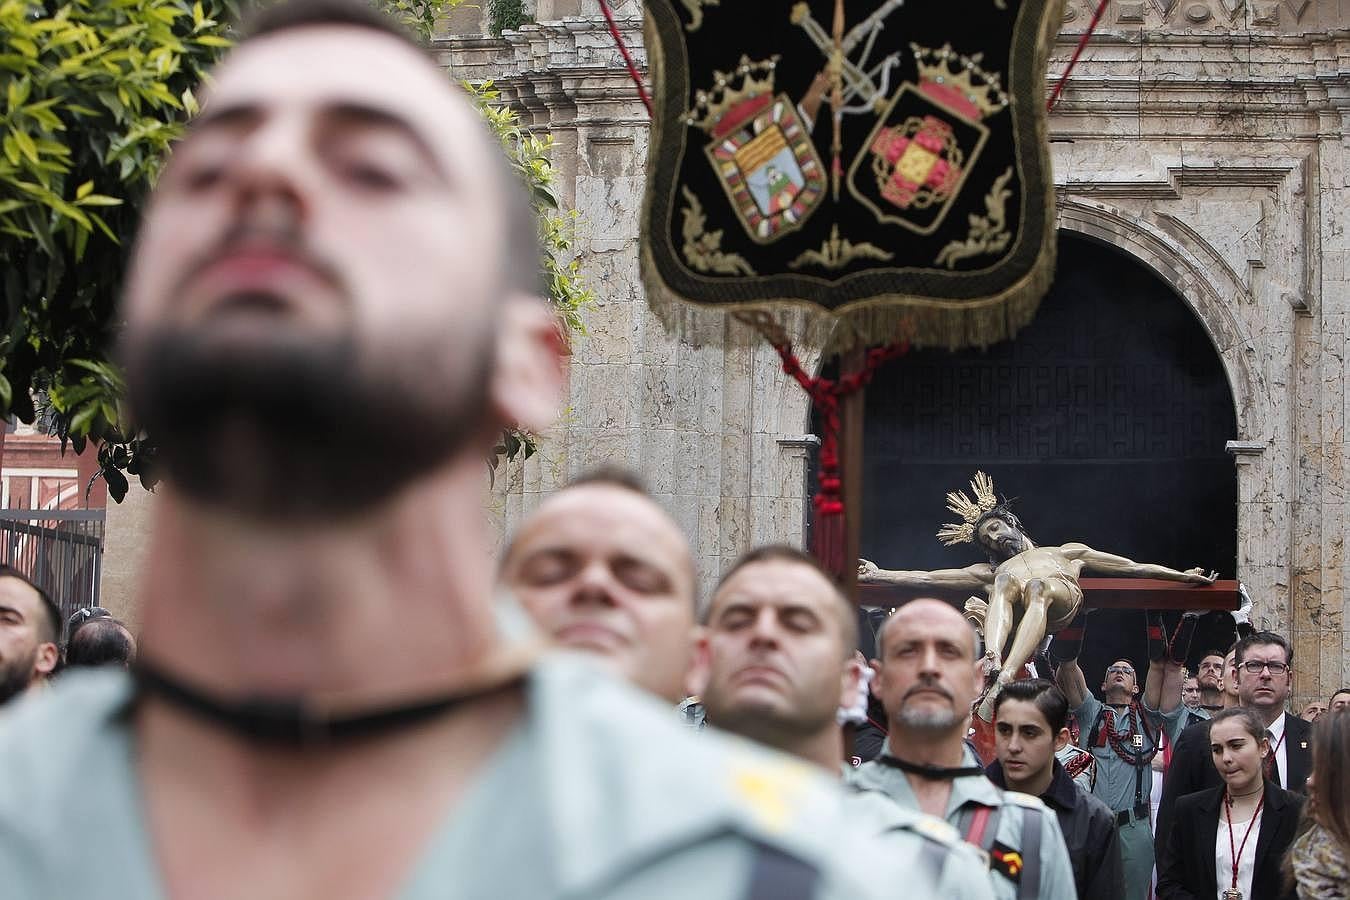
[[506, 15], [94, 94], [95, 91]]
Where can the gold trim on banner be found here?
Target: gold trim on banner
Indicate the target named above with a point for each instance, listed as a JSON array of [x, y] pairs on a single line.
[[838, 252], [703, 249], [988, 234], [695, 8]]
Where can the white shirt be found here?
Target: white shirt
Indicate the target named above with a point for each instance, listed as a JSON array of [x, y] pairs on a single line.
[[1223, 855], [1276, 730]]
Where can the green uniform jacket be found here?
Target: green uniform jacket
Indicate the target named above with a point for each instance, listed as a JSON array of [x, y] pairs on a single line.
[[598, 793], [928, 852], [1054, 874]]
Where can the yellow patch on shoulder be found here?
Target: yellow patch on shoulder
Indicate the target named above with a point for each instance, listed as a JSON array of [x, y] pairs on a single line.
[[770, 790], [937, 830]]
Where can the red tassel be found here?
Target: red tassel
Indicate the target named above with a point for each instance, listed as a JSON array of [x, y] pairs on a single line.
[[828, 537]]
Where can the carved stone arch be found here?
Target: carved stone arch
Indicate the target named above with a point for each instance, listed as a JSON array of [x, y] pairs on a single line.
[[1200, 277], [1196, 272]]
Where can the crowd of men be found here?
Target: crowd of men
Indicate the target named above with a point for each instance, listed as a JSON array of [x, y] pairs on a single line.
[[336, 692], [601, 568]]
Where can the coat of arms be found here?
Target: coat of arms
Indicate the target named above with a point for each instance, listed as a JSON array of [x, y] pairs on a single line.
[[760, 150], [926, 139]]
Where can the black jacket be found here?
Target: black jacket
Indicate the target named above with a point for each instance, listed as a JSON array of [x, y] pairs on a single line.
[[1189, 868], [1089, 832], [1192, 770]]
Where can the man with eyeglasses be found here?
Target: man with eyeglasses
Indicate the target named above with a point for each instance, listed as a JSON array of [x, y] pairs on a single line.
[[1264, 664]]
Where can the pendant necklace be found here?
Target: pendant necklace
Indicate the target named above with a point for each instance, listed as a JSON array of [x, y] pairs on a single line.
[[1233, 893]]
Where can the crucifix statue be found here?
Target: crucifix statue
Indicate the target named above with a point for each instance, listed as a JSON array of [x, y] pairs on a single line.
[[1032, 591]]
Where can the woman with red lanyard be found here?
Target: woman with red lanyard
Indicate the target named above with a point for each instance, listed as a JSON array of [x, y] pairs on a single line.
[[1227, 843]]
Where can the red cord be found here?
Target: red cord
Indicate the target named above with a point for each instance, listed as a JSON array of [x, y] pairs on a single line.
[[1073, 61], [633, 72], [826, 393]]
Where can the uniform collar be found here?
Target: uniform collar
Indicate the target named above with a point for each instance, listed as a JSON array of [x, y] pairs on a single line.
[[621, 777], [969, 789], [1061, 794]]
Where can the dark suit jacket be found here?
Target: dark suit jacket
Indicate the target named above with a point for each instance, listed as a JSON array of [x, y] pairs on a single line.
[[1192, 770], [1189, 874]]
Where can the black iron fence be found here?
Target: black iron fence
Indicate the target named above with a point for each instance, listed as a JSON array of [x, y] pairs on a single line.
[[61, 550]]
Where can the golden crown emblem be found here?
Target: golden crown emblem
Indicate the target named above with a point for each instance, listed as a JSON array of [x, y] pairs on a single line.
[[960, 78], [970, 511], [749, 80]]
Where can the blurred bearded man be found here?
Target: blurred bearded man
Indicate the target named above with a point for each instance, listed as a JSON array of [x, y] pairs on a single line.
[[775, 664], [30, 626], [927, 678], [331, 314]]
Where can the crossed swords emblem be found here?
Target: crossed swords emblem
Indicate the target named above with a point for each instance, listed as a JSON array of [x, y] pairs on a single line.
[[861, 91]]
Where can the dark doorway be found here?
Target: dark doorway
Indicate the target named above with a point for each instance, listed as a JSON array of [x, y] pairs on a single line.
[[1105, 420]]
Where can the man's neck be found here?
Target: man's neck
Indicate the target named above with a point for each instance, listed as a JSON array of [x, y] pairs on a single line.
[[927, 748], [1211, 698], [1035, 785], [394, 603], [1269, 715], [824, 749], [923, 747]]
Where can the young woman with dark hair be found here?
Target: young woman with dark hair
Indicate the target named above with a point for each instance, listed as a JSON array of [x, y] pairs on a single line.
[[1321, 857], [1227, 842]]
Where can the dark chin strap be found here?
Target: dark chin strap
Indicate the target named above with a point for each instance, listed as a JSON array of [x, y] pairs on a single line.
[[932, 773], [288, 722]]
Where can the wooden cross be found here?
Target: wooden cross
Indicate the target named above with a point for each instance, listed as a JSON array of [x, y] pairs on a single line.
[[1098, 593]]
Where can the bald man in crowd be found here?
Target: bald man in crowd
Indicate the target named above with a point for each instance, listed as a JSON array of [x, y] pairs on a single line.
[[604, 570], [927, 679]]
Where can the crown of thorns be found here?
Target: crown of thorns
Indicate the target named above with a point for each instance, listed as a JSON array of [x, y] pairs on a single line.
[[973, 511]]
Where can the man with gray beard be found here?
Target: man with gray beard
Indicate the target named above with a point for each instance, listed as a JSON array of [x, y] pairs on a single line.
[[927, 679]]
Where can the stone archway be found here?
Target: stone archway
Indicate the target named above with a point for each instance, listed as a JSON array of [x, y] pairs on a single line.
[[1108, 419]]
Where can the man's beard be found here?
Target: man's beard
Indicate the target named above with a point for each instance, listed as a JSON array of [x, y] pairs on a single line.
[[15, 676], [1004, 548], [927, 719], [302, 427], [778, 728]]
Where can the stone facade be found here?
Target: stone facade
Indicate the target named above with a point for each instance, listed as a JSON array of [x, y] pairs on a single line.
[[1207, 139]]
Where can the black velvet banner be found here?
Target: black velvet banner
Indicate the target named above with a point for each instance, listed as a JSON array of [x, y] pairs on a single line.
[[924, 201]]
